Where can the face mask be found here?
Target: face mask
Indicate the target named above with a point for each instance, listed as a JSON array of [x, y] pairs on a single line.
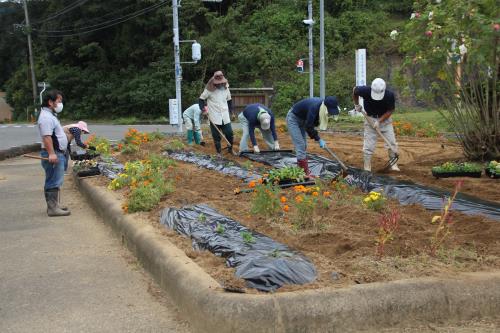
[[221, 87], [59, 107]]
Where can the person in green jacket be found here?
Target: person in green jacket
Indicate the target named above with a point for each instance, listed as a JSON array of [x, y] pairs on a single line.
[[192, 121]]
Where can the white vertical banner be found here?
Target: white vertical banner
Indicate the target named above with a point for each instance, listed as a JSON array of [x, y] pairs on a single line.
[[173, 112], [361, 70]]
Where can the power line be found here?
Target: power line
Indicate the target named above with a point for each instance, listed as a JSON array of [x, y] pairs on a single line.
[[85, 30], [66, 9], [82, 29]]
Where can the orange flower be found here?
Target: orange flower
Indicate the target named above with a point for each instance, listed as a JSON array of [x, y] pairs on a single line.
[[283, 199], [286, 208], [326, 194], [260, 180], [315, 194], [251, 184], [299, 199]]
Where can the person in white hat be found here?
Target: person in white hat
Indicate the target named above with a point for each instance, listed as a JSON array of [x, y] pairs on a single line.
[[257, 116], [217, 97], [379, 104]]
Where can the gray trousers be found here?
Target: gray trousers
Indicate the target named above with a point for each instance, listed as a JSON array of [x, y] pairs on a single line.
[[371, 136], [296, 129], [267, 135]]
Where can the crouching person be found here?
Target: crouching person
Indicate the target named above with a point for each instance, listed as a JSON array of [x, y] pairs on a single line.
[[192, 121], [54, 145], [258, 116]]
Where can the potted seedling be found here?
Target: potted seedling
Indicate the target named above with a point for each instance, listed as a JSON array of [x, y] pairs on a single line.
[[493, 169], [86, 168], [452, 169], [286, 175]]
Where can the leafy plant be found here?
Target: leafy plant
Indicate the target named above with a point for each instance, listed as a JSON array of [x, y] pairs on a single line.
[[443, 221], [202, 218], [247, 165], [375, 201], [304, 206], [247, 237], [220, 229], [265, 200], [101, 144], [451, 167], [84, 165], [291, 173], [175, 144], [388, 224], [494, 168]]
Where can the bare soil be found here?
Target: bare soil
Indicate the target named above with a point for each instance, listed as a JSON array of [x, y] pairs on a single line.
[[341, 243]]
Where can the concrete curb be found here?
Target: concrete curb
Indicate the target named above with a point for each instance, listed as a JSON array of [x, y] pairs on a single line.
[[19, 150], [363, 307]]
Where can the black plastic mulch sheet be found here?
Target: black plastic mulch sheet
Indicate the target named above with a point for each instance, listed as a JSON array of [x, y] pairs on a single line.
[[110, 167], [405, 192], [265, 264], [224, 166]]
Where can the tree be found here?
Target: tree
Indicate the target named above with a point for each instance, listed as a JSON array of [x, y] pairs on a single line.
[[452, 53]]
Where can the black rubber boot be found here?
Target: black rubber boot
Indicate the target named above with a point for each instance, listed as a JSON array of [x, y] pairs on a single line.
[[51, 196]]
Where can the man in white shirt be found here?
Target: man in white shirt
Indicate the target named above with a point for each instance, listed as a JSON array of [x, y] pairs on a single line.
[[54, 145], [218, 100]]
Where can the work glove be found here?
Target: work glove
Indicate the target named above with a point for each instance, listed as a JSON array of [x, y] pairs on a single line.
[[358, 107], [276, 145], [322, 143], [256, 149], [91, 148], [376, 124]]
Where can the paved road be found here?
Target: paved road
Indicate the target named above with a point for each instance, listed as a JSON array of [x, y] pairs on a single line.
[[16, 135], [12, 135], [68, 274]]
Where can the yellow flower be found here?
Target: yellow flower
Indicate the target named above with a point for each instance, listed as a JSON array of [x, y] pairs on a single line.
[[367, 200], [436, 218]]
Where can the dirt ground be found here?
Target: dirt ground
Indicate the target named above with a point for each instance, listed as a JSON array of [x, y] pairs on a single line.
[[342, 242]]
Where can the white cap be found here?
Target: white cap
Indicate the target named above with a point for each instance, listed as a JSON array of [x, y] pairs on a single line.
[[378, 89], [265, 121]]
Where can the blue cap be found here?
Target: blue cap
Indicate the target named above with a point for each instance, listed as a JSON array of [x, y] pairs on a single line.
[[332, 105]]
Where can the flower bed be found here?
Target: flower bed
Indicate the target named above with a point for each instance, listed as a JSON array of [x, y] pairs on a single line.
[[351, 237]]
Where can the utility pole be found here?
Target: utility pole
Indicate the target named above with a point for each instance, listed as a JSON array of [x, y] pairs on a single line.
[[30, 50], [322, 49], [177, 60], [311, 67]]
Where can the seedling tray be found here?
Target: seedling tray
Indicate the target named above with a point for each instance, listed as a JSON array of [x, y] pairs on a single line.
[[492, 174], [81, 157], [94, 171], [457, 174]]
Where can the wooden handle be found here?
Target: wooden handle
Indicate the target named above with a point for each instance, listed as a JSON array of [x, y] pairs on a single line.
[[369, 120], [342, 165], [36, 157]]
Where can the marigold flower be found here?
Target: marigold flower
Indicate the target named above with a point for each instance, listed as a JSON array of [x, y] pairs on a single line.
[[299, 199], [260, 180], [326, 193], [251, 184], [315, 194], [286, 208], [367, 199], [283, 199]]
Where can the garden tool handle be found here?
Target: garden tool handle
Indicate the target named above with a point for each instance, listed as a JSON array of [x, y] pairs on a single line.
[[369, 120], [36, 157], [220, 132], [342, 165]]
